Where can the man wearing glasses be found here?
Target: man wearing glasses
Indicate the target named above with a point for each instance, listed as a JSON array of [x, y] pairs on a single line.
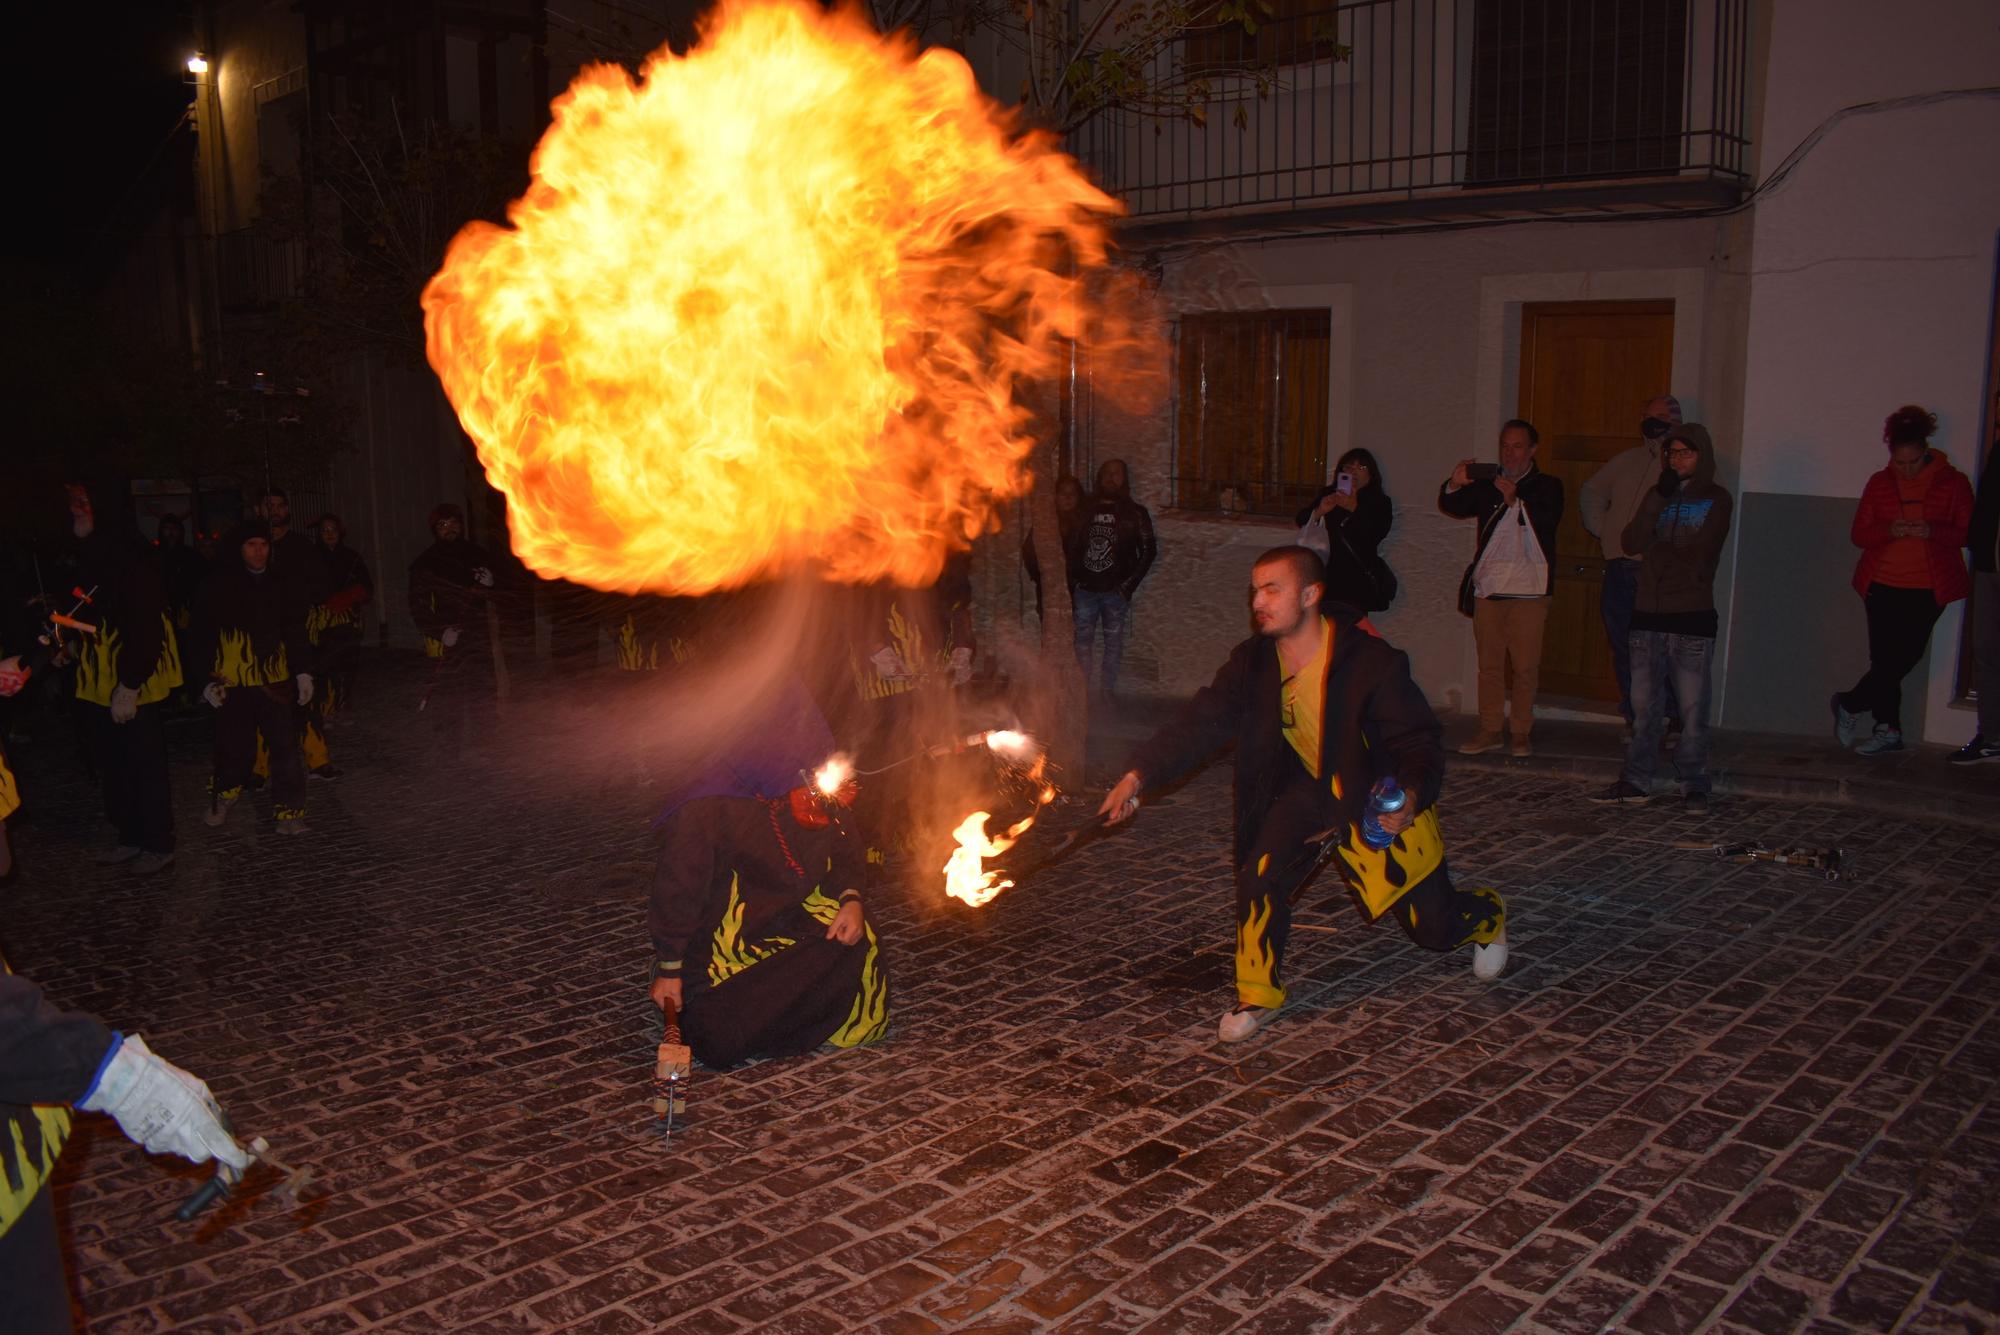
[[1678, 534]]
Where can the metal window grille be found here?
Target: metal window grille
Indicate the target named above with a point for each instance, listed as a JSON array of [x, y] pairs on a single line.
[[1250, 415]]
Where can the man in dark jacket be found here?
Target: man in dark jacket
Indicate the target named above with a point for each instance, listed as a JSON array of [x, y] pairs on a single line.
[[1678, 535], [1319, 709], [124, 672], [249, 642], [451, 582], [1508, 586], [51, 1061], [1982, 538], [1109, 551]]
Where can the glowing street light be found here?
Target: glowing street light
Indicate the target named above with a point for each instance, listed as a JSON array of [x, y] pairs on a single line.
[[197, 63]]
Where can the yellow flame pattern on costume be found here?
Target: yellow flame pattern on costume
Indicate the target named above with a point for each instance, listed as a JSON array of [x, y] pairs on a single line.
[[1380, 877], [1255, 961], [631, 658], [238, 665], [97, 677], [10, 792], [868, 1019], [54, 1120], [732, 954]]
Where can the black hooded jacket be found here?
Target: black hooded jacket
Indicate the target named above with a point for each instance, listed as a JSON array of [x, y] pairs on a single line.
[[1374, 722], [249, 629], [1678, 539], [134, 645]]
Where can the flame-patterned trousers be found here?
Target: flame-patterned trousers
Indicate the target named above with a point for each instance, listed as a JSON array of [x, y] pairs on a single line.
[[1435, 913], [784, 989]]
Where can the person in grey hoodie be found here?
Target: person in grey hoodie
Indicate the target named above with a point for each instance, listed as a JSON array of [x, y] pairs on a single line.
[[1678, 534]]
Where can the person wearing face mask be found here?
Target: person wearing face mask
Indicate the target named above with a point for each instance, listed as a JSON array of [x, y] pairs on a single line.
[[1913, 519], [1609, 501], [1679, 531], [1511, 580]]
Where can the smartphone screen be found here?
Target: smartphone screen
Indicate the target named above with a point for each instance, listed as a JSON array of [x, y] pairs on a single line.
[[1344, 483], [1483, 471]]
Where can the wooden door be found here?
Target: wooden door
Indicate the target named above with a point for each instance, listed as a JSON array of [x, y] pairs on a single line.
[[1587, 370]]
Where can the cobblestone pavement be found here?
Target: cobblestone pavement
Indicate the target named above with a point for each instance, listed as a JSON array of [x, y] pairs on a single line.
[[1703, 1096]]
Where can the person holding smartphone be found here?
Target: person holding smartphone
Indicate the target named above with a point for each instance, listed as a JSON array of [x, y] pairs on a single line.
[[1346, 524], [1510, 582]]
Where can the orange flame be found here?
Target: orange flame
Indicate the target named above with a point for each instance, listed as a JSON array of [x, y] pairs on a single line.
[[771, 305], [964, 876]]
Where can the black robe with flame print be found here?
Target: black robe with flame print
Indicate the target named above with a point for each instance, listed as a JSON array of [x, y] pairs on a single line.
[[249, 629], [742, 899]]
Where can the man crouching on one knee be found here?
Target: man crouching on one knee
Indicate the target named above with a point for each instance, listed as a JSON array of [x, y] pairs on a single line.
[[1320, 707]]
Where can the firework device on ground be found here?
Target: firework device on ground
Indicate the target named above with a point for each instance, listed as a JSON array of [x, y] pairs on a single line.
[[293, 1188], [1827, 861]]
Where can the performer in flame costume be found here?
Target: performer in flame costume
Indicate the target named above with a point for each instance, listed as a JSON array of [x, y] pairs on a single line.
[[249, 638], [1320, 707], [759, 935]]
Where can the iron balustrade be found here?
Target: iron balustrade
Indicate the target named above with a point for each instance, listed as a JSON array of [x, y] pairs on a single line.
[[1439, 107]]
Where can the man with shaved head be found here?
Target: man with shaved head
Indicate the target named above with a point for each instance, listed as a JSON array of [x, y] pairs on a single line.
[[1320, 708]]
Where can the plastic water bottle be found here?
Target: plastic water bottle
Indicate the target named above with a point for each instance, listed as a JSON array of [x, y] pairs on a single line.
[[1386, 796]]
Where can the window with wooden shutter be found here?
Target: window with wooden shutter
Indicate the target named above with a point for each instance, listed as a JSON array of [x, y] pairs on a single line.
[[1251, 411]]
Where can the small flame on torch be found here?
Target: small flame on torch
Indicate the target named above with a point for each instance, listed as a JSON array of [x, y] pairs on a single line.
[[1009, 744]]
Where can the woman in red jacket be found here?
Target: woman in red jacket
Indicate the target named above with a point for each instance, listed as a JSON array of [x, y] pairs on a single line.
[[1909, 526]]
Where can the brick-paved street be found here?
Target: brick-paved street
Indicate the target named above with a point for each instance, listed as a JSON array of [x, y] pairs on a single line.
[[1703, 1095]]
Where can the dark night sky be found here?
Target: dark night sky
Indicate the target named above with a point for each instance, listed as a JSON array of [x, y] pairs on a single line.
[[104, 88]]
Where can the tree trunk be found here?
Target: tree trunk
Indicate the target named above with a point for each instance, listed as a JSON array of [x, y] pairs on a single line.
[[1060, 704]]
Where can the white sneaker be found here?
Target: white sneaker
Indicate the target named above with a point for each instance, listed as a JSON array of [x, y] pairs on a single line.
[[218, 810], [1885, 740], [1490, 959], [1244, 1021]]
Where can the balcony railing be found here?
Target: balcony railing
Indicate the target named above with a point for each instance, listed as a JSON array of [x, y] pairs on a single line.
[[1437, 107]]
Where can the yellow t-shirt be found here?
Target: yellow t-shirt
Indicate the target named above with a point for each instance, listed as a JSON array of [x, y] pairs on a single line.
[[1300, 699]]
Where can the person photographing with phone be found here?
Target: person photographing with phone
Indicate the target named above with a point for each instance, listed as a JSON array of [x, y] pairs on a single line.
[[1508, 586], [1345, 525]]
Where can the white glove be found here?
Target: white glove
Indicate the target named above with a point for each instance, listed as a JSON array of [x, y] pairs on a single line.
[[888, 665], [124, 704], [213, 693], [481, 575], [449, 637], [12, 676], [305, 681], [961, 666], [162, 1107]]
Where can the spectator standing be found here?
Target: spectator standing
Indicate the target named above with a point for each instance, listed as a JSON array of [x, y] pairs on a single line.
[[1508, 586], [1609, 502], [1354, 513], [1983, 537], [1110, 553], [1678, 534], [1913, 518]]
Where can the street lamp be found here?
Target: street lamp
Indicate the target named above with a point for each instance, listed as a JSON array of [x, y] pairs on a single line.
[[197, 64]]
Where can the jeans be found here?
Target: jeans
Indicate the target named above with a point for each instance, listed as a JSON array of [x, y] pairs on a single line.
[[1108, 609], [1899, 630], [1621, 593], [1986, 651], [1669, 666]]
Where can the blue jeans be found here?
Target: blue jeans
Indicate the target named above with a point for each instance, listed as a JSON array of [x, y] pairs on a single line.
[[1107, 609], [1621, 591], [1669, 667]]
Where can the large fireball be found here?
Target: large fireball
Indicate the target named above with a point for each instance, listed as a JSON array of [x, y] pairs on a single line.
[[770, 305]]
